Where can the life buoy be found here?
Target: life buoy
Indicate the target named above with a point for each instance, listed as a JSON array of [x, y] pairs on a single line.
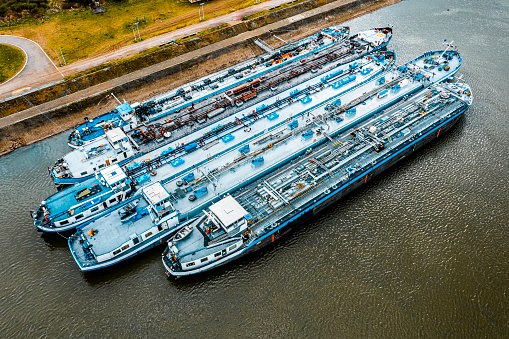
[[46, 217]]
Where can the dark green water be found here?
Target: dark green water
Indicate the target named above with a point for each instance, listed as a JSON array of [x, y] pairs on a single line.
[[421, 251]]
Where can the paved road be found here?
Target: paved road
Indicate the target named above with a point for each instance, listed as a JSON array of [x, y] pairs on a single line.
[[38, 70], [126, 51]]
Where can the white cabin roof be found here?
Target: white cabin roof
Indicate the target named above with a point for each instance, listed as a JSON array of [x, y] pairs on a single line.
[[228, 210], [371, 36], [155, 193], [113, 174], [116, 134]]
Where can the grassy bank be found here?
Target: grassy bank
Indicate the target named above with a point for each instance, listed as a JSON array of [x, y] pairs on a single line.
[[139, 55], [12, 60], [82, 34]]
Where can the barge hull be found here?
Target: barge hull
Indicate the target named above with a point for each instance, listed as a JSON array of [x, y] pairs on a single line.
[[315, 207]]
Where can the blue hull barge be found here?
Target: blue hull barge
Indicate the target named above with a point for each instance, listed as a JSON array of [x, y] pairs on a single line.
[[145, 223], [78, 205], [160, 120], [129, 117], [264, 209]]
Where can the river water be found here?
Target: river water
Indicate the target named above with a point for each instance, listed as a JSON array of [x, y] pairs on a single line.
[[422, 250]]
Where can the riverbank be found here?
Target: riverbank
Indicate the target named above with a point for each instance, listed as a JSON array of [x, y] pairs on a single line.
[[41, 126]]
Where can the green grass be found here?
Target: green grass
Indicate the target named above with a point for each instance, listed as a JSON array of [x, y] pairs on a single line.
[[82, 34], [12, 60], [139, 55]]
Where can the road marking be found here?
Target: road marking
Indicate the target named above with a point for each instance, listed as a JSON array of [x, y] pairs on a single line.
[[21, 90]]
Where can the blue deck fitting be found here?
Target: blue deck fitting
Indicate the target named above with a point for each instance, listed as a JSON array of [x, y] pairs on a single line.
[[365, 71], [337, 85], [307, 135], [167, 151], [133, 166], [191, 147], [143, 178], [201, 191], [261, 107], [383, 93], [306, 100], [354, 65], [294, 124], [188, 178], [381, 81], [336, 103], [272, 116], [244, 149], [257, 161], [227, 138], [351, 111], [177, 162], [218, 127], [349, 79]]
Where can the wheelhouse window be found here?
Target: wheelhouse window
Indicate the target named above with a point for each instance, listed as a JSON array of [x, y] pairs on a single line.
[[115, 252], [148, 234], [204, 259], [79, 216], [84, 173], [94, 209], [65, 222], [190, 264], [125, 247], [218, 254], [112, 200], [233, 247]]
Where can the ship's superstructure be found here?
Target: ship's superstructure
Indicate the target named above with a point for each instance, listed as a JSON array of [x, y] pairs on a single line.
[[144, 223], [81, 203], [83, 162]]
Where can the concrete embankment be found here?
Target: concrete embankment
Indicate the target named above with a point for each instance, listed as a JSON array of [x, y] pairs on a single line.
[[64, 112]]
